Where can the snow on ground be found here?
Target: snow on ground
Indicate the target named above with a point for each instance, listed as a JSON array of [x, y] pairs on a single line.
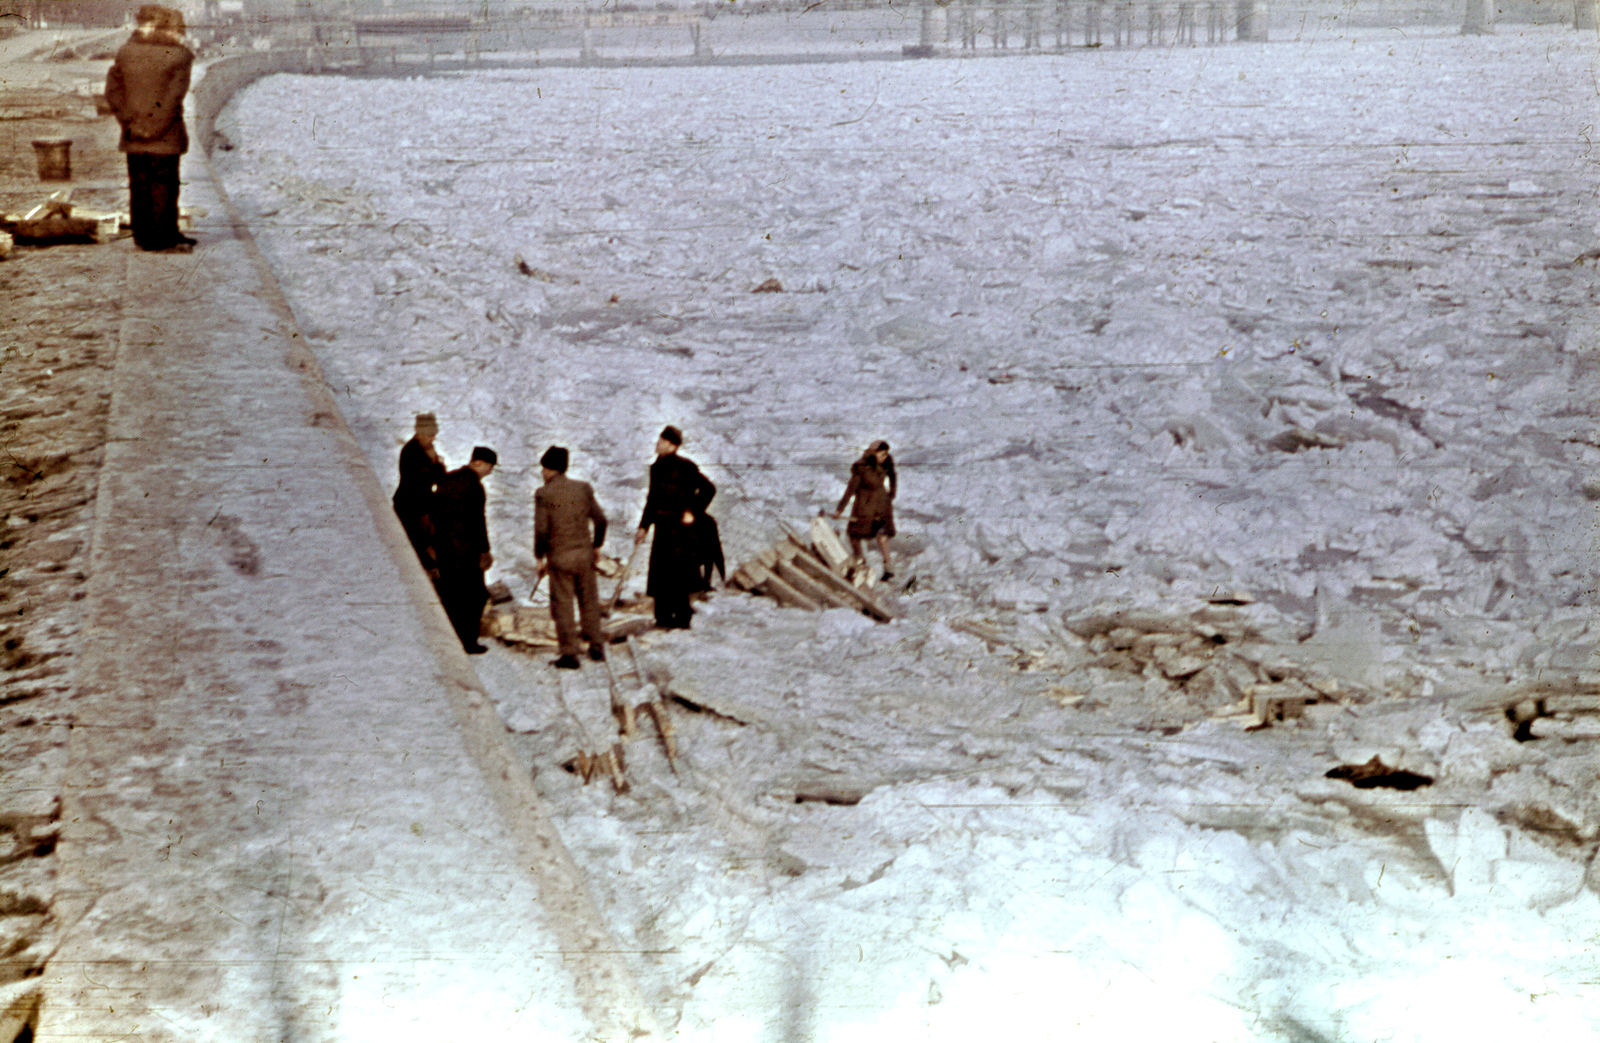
[[1146, 329]]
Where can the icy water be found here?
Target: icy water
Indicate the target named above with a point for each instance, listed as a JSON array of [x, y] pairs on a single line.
[[1307, 324]]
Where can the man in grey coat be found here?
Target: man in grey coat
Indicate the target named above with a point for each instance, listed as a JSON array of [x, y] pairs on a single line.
[[145, 90], [565, 547]]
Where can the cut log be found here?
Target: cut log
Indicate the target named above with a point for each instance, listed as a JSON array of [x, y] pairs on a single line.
[[622, 629], [1571, 729], [982, 631], [1572, 704], [810, 587], [785, 594], [54, 227], [1279, 702], [828, 546], [856, 598]]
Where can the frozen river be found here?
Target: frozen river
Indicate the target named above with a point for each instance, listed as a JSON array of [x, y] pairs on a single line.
[[1306, 326]]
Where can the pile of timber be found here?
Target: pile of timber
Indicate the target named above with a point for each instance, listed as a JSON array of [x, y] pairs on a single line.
[[1568, 710], [529, 627], [57, 219], [813, 572], [1213, 656]]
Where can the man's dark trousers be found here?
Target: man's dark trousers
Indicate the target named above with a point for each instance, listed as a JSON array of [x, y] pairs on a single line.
[[463, 595], [153, 199]]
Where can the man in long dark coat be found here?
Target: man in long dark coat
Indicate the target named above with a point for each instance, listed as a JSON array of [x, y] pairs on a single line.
[[461, 544], [145, 90], [421, 469], [676, 507], [563, 512]]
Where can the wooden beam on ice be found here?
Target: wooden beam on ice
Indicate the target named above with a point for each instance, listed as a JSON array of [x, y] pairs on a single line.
[[854, 597], [785, 594], [810, 587]]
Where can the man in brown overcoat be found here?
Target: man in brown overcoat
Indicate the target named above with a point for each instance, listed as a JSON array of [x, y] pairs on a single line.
[[566, 549], [145, 90]]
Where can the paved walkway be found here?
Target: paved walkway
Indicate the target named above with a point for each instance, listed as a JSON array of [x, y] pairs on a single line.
[[290, 813]]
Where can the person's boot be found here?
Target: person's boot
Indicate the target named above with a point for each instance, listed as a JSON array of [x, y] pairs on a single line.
[[597, 653], [566, 662]]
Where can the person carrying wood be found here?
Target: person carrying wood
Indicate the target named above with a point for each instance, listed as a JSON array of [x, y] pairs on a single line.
[[676, 507], [145, 90], [461, 544], [873, 486], [565, 549], [421, 469]]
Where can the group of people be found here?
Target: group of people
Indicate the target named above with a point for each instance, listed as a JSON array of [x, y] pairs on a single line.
[[443, 514]]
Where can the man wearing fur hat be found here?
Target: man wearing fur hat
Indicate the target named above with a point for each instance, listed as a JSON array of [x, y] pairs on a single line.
[[566, 549], [421, 469], [145, 90], [461, 542], [676, 506]]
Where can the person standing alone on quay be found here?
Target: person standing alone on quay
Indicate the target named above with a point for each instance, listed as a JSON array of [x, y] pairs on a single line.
[[421, 468], [565, 548], [461, 545], [873, 486], [145, 90], [676, 506]]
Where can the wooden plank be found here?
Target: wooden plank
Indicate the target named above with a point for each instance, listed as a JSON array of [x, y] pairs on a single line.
[[669, 742], [1572, 704], [810, 587], [857, 598], [785, 594], [827, 546], [621, 629]]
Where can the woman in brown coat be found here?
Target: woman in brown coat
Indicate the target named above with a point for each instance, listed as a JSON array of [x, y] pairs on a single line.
[[873, 486]]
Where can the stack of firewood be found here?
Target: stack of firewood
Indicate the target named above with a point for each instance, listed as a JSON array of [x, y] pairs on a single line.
[[530, 628], [57, 219], [813, 572]]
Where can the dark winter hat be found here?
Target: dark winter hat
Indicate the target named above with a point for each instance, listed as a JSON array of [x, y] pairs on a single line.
[[672, 435], [554, 459], [427, 422], [879, 444], [484, 453]]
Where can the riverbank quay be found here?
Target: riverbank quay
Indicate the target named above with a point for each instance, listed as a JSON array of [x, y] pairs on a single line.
[[286, 807]]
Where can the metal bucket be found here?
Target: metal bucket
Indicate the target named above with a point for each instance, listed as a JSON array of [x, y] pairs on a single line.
[[55, 158]]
